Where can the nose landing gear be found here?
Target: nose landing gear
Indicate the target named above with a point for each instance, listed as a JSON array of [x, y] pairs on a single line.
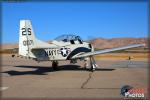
[[92, 63]]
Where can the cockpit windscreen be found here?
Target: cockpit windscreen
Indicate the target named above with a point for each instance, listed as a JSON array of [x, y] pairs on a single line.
[[67, 38]]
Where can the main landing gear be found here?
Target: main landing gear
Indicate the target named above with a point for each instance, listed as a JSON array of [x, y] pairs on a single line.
[[92, 63], [55, 65]]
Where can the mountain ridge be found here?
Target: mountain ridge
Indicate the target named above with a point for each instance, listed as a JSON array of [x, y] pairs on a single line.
[[99, 43]]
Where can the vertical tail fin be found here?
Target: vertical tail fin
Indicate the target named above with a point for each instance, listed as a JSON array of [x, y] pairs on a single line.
[[26, 38], [28, 41]]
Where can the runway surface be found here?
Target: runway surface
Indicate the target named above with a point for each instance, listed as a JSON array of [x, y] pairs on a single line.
[[23, 78]]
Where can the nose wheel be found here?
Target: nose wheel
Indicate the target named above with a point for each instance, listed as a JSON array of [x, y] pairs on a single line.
[[93, 63]]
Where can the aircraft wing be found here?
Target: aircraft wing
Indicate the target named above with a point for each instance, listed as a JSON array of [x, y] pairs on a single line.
[[106, 51]]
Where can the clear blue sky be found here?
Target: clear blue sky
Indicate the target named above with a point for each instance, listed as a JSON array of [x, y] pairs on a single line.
[[87, 19]]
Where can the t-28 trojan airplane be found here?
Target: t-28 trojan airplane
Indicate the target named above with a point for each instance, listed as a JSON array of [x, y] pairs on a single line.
[[66, 47]]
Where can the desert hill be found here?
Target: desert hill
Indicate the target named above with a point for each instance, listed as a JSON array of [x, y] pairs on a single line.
[[100, 43]]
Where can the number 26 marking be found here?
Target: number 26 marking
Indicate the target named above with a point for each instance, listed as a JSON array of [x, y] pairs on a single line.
[[26, 30]]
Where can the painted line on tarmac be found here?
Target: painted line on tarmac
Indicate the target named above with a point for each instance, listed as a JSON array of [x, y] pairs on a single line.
[[3, 88]]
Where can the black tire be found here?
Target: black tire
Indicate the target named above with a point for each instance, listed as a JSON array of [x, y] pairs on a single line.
[[55, 65], [91, 69], [12, 55], [84, 68]]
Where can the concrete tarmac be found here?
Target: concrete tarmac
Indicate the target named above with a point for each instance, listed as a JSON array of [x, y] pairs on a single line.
[[24, 78]]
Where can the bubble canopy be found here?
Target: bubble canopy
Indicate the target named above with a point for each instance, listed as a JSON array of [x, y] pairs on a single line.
[[66, 38]]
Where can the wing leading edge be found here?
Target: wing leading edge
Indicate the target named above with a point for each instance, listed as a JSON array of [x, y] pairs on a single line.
[[106, 51]]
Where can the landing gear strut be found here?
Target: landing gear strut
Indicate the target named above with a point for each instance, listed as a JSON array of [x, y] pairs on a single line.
[[93, 63], [55, 65], [86, 63]]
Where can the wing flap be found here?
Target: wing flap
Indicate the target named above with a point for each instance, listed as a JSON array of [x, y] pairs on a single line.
[[106, 51]]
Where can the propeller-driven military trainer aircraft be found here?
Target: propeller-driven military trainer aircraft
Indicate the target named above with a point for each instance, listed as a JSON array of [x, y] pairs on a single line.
[[65, 47]]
